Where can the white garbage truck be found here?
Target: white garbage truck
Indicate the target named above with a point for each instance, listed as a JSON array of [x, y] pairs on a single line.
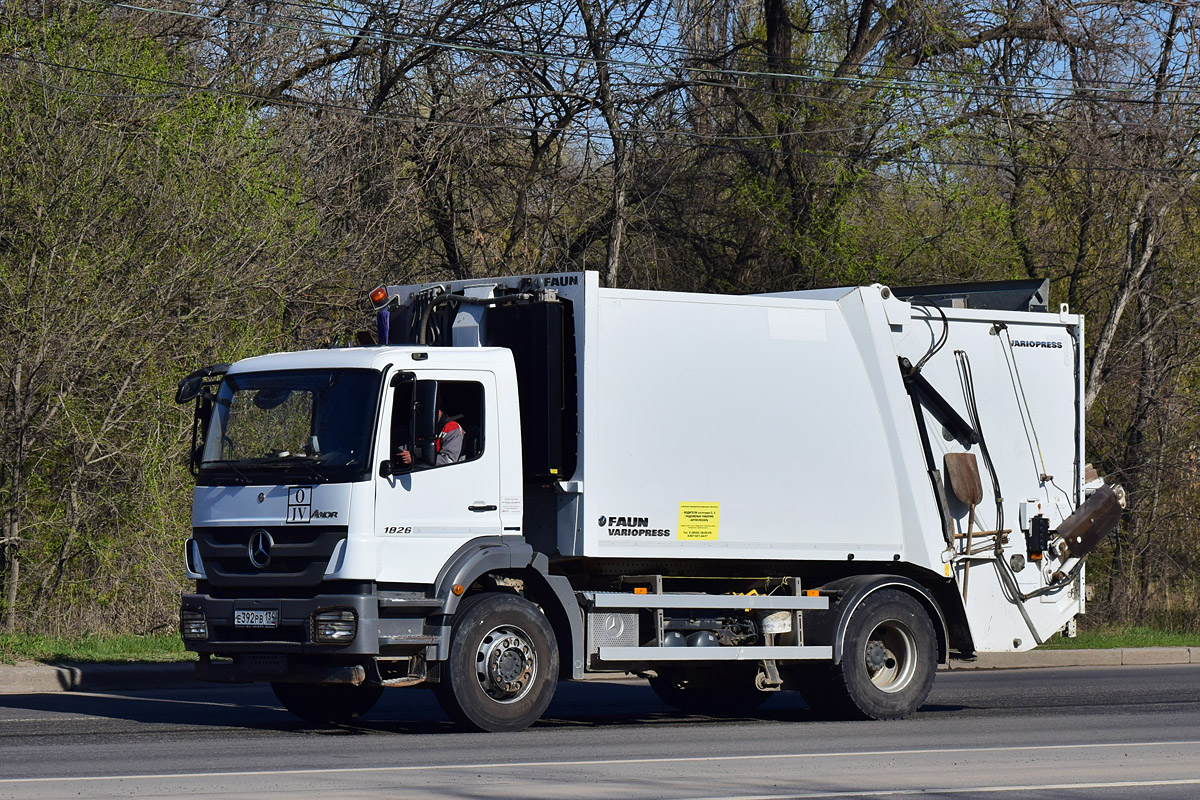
[[534, 479]]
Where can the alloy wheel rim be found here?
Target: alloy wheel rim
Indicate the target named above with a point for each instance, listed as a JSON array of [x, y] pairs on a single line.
[[506, 664]]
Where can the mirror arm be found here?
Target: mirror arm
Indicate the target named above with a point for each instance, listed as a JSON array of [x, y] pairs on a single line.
[[193, 454]]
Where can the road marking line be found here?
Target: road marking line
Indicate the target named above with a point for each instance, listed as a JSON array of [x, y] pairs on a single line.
[[1040, 787], [174, 701], [604, 762]]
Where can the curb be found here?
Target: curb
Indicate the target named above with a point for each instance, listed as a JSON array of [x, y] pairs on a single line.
[[31, 678], [1116, 657]]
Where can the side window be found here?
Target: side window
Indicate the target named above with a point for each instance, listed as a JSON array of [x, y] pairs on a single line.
[[457, 434]]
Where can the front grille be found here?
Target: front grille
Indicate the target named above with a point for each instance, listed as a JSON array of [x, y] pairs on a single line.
[[299, 555]]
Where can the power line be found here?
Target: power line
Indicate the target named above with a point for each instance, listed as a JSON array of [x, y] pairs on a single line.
[[291, 101], [414, 16], [985, 91], [976, 93], [1078, 94], [80, 92], [712, 142]]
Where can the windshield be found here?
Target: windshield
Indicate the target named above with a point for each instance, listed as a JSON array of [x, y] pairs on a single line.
[[310, 425]]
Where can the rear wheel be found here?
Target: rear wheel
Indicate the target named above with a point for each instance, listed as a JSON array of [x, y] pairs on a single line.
[[327, 703], [710, 690], [889, 658], [503, 665]]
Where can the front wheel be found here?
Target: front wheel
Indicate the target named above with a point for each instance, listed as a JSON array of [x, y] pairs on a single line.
[[327, 703], [503, 665], [889, 659]]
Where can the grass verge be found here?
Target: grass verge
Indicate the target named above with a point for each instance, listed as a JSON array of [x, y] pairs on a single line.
[[92, 648], [1107, 638]]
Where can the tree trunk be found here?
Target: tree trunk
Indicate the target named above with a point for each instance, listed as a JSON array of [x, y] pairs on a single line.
[[620, 193], [10, 566], [14, 579], [1140, 244], [597, 32], [1137, 476], [779, 37]]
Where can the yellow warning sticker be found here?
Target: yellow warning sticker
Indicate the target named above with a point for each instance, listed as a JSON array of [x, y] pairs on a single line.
[[699, 521]]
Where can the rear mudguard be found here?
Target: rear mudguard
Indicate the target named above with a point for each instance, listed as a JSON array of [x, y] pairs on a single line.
[[828, 627]]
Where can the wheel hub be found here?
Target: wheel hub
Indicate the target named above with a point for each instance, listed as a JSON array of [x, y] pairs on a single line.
[[876, 655], [506, 664], [890, 656]]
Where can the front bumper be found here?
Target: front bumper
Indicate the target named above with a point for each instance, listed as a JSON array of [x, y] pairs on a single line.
[[396, 635], [294, 632]]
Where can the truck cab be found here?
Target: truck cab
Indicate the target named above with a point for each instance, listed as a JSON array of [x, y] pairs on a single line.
[[310, 537]]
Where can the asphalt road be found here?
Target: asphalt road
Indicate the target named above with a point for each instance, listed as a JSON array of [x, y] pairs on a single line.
[[1114, 732]]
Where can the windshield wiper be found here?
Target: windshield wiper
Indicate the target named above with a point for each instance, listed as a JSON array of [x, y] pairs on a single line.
[[287, 461], [244, 477]]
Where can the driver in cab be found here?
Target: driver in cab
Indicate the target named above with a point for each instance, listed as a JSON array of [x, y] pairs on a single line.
[[448, 444]]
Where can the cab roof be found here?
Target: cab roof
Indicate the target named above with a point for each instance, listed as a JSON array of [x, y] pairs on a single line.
[[378, 357]]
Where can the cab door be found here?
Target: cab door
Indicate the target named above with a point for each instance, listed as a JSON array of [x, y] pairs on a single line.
[[426, 511]]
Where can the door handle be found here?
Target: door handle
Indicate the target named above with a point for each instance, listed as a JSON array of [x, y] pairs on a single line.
[[481, 508]]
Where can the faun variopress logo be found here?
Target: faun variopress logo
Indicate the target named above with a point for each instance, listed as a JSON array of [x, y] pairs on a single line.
[[631, 526]]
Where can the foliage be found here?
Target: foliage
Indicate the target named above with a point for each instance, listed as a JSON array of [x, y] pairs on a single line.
[[92, 648], [178, 190], [139, 230]]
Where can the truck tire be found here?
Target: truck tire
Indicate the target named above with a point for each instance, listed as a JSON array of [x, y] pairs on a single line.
[[327, 703], [715, 691], [889, 659], [503, 664]]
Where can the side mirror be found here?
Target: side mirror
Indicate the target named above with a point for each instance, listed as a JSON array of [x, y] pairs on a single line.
[[189, 388], [200, 386], [425, 409], [388, 469]]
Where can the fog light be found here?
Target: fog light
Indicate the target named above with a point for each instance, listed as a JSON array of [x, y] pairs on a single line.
[[338, 625], [193, 625]]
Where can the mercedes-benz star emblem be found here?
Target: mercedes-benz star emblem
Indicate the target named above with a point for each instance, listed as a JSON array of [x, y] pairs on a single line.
[[260, 548]]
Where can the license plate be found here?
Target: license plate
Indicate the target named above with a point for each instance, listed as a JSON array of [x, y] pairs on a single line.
[[255, 618]]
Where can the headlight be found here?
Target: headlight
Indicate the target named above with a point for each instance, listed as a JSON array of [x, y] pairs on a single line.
[[338, 625], [193, 625]]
